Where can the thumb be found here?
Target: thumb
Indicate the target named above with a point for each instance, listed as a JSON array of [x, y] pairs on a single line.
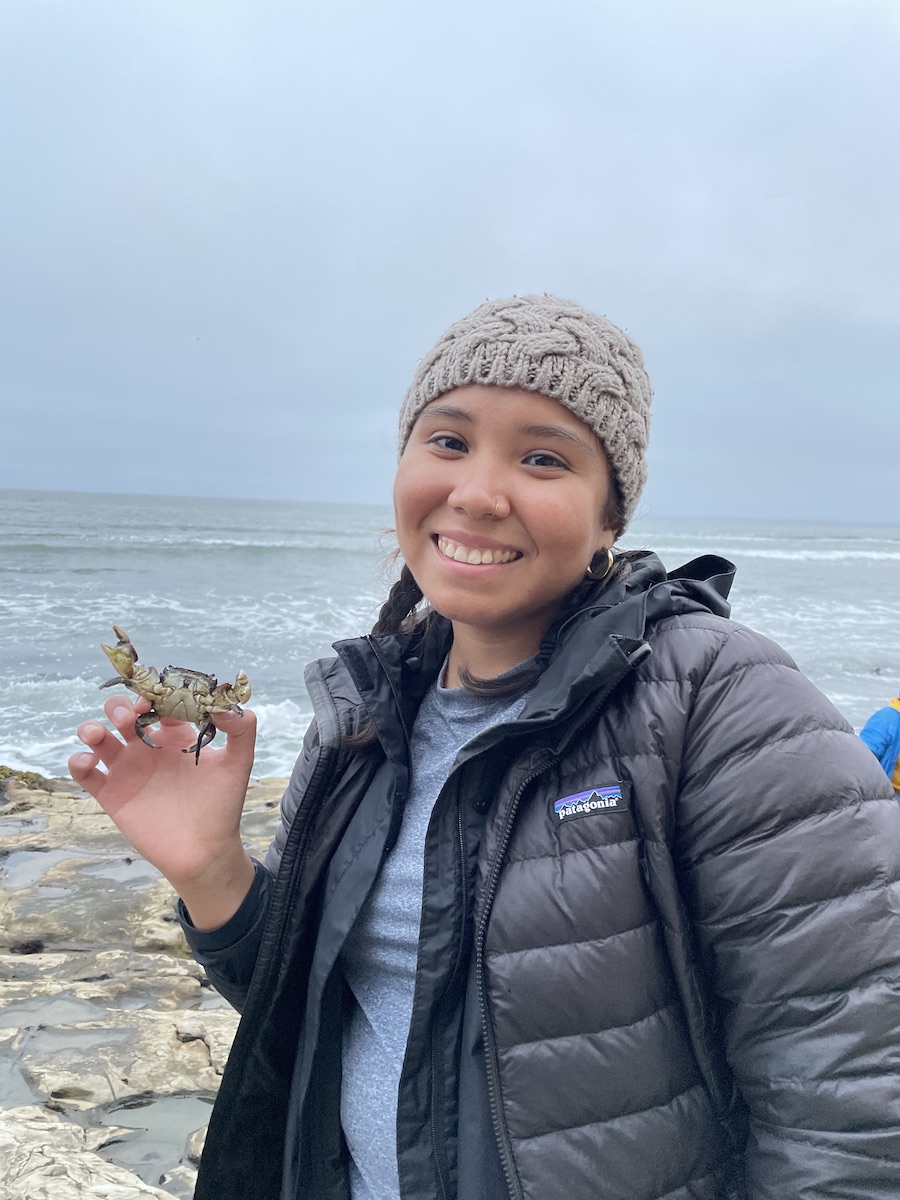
[[240, 733]]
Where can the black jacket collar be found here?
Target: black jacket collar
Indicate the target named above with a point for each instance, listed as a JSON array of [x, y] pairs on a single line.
[[393, 672]]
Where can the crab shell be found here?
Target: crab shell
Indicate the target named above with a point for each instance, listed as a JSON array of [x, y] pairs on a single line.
[[179, 693]]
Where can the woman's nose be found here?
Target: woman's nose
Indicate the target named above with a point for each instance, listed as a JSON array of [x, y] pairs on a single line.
[[480, 495]]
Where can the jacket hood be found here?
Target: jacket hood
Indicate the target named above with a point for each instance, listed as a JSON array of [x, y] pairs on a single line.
[[610, 633]]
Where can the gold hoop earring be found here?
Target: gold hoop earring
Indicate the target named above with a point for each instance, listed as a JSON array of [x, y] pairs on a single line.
[[611, 562]]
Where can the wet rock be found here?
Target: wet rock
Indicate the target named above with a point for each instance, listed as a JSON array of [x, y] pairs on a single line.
[[146, 1053], [43, 1155], [194, 1147], [180, 1181], [103, 1013]]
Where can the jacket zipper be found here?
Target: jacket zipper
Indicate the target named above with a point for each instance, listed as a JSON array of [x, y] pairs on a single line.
[[437, 1073], [490, 1048]]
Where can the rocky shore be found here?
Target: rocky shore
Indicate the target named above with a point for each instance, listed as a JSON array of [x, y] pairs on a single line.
[[112, 1042]]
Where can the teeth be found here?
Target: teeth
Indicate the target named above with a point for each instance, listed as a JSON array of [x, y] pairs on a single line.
[[468, 554]]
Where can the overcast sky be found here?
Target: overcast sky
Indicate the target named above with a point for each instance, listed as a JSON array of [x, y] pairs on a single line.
[[229, 228]]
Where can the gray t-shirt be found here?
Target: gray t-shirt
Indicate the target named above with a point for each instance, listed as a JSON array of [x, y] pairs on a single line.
[[380, 955]]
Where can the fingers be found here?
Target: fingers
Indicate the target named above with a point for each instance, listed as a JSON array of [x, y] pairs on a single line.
[[103, 745], [122, 713], [240, 732], [101, 741], [83, 769]]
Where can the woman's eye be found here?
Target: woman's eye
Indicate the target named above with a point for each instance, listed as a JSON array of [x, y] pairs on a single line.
[[540, 459], [446, 441]]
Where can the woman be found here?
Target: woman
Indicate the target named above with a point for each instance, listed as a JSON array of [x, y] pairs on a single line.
[[581, 890]]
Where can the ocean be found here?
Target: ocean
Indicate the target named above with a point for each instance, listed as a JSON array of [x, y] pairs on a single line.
[[266, 586]]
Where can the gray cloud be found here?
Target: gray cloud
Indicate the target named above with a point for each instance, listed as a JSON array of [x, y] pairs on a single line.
[[228, 231]]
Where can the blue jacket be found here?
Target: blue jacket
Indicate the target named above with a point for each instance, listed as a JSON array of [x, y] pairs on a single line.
[[881, 733]]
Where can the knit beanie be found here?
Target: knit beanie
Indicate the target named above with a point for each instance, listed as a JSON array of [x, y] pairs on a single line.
[[559, 349]]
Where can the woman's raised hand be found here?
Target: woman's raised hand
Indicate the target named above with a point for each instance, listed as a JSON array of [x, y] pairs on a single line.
[[180, 815]]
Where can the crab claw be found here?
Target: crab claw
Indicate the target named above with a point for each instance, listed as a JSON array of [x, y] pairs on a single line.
[[232, 695], [123, 655], [241, 687]]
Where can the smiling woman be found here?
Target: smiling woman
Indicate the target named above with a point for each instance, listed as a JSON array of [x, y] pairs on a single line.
[[554, 910], [500, 503]]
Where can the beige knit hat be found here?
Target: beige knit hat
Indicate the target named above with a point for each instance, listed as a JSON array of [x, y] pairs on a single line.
[[559, 349]]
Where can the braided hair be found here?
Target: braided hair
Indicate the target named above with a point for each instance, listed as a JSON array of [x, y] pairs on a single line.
[[398, 611]]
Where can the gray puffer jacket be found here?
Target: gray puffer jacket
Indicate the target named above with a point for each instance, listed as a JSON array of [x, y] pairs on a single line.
[[671, 931]]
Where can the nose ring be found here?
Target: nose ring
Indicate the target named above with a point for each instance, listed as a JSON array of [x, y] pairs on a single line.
[[496, 506]]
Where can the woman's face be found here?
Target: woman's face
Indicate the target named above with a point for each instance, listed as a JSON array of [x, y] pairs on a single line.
[[499, 500]]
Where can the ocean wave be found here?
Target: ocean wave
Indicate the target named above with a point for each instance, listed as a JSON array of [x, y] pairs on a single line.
[[807, 555], [42, 740], [269, 586], [670, 553], [44, 755], [180, 546], [281, 730]]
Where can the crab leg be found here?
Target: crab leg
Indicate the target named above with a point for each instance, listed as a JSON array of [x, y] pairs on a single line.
[[118, 679], [145, 719], [207, 733]]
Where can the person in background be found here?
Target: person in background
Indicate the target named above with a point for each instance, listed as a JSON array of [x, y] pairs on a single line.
[[881, 733], [581, 890]]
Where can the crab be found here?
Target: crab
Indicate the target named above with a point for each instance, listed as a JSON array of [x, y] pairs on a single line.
[[179, 693]]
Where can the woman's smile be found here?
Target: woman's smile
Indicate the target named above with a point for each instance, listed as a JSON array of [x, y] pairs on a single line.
[[461, 550]]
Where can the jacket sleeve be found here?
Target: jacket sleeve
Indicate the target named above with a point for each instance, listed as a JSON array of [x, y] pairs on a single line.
[[789, 840], [228, 955], [876, 733], [290, 801]]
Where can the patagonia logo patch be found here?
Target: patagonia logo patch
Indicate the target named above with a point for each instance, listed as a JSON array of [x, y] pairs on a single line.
[[610, 798]]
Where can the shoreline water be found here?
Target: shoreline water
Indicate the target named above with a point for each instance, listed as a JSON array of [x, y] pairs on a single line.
[[268, 586]]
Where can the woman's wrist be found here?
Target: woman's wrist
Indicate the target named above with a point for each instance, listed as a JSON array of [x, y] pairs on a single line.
[[211, 901]]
